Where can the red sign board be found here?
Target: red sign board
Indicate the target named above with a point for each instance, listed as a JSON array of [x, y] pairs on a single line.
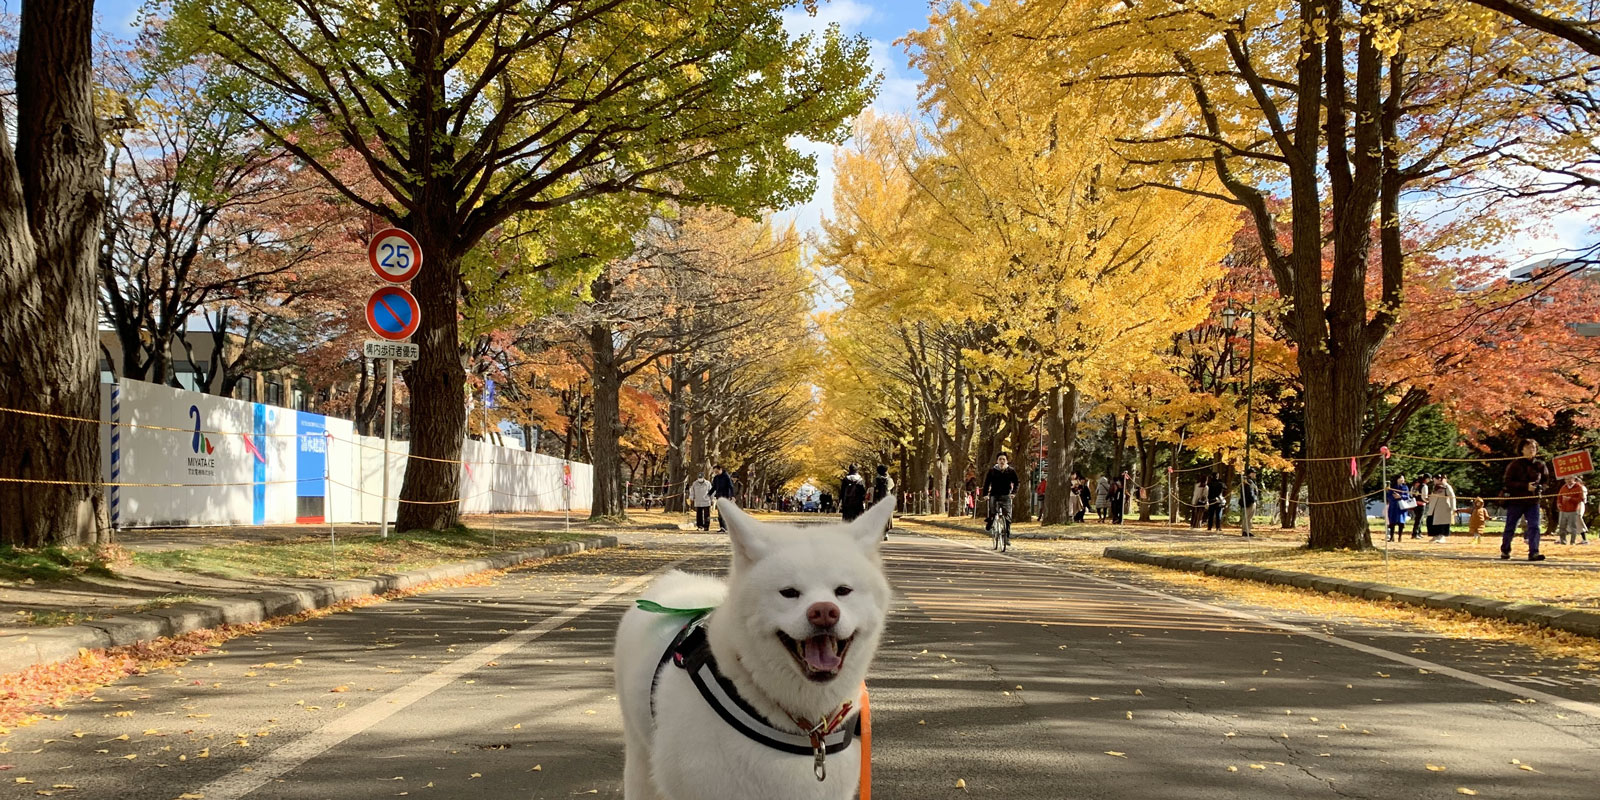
[[393, 313], [394, 255], [1572, 464]]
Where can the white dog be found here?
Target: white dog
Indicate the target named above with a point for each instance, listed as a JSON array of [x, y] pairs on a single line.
[[758, 699]]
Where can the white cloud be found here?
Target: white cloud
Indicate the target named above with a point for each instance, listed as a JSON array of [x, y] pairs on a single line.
[[850, 15]]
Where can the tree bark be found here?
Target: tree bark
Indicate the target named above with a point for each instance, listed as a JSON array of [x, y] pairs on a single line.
[[607, 381], [1147, 467], [673, 499], [1062, 427], [1022, 457], [1289, 503], [52, 194], [431, 491], [1333, 431]]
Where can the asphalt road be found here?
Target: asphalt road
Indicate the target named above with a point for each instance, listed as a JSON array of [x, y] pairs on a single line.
[[1021, 680]]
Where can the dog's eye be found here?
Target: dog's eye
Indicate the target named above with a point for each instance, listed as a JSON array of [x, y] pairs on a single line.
[[842, 591], [789, 592]]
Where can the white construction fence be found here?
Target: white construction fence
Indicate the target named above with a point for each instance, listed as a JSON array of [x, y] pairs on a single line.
[[178, 458]]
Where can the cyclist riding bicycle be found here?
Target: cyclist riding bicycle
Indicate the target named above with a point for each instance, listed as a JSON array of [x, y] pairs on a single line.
[[1000, 486]]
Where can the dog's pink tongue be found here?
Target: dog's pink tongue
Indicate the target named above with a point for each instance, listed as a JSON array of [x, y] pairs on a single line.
[[821, 655]]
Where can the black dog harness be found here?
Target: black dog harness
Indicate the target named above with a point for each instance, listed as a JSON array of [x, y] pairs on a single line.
[[691, 651]]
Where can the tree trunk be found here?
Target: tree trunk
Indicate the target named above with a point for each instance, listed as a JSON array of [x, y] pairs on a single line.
[[430, 494], [1335, 390], [1144, 480], [698, 452], [1119, 442], [52, 194], [1061, 425], [1289, 503], [1022, 456], [676, 433]]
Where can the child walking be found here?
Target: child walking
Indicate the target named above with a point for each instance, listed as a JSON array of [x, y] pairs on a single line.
[[1570, 501], [1479, 518]]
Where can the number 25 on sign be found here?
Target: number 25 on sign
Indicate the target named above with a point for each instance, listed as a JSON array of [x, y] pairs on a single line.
[[394, 255]]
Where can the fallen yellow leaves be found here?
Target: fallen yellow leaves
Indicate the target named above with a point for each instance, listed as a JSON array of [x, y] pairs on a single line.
[[1116, 754], [1435, 768], [1464, 790], [24, 693]]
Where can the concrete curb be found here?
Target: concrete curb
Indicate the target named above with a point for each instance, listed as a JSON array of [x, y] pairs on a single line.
[[47, 645], [1585, 623]]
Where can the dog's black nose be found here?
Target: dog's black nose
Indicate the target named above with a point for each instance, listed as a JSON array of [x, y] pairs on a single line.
[[823, 615]]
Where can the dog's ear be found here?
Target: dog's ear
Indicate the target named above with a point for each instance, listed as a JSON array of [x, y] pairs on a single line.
[[869, 527], [751, 539]]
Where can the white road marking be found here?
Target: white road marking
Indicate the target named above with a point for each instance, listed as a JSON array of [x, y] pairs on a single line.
[[281, 761], [1578, 706]]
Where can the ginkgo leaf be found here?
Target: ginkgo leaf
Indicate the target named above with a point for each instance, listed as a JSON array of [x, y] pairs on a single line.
[[1117, 754]]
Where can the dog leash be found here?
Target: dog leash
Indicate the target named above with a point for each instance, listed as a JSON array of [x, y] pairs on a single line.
[[866, 746]]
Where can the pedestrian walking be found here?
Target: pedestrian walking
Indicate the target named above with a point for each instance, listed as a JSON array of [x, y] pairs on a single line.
[[722, 486], [1102, 497], [1440, 510], [1083, 499], [1400, 504], [700, 498], [1570, 502], [1118, 496], [883, 486], [1526, 480], [1477, 519], [852, 494], [1198, 503], [1130, 493], [1073, 500], [1249, 494], [1216, 502], [1419, 493]]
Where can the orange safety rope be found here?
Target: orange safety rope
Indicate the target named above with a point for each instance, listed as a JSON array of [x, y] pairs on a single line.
[[25, 412]]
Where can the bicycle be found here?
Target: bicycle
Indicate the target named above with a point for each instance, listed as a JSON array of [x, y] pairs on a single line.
[[999, 511]]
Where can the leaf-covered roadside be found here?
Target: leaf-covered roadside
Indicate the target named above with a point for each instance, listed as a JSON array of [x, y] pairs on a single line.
[[41, 691]]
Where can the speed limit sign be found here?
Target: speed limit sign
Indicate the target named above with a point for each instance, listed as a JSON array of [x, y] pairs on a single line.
[[394, 255]]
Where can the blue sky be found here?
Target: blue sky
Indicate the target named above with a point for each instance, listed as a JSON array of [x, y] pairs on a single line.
[[885, 21], [882, 22]]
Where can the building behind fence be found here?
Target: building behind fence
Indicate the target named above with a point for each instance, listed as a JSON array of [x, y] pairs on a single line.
[[185, 459]]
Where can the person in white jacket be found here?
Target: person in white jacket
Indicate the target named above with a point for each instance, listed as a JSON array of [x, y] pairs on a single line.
[[700, 498], [1441, 510]]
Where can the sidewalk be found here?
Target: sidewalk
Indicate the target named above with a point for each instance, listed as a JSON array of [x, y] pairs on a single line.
[[160, 568], [1456, 568]]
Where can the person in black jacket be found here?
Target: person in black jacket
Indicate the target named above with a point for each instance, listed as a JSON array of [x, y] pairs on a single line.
[[1526, 479], [721, 486], [999, 486], [883, 486], [852, 494], [1216, 502]]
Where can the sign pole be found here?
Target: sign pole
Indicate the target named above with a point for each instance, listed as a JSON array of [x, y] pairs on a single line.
[[388, 433]]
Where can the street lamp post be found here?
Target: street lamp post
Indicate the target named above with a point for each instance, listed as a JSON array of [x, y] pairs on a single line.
[[1230, 318]]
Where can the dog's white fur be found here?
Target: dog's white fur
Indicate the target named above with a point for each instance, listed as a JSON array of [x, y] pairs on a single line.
[[686, 752]]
